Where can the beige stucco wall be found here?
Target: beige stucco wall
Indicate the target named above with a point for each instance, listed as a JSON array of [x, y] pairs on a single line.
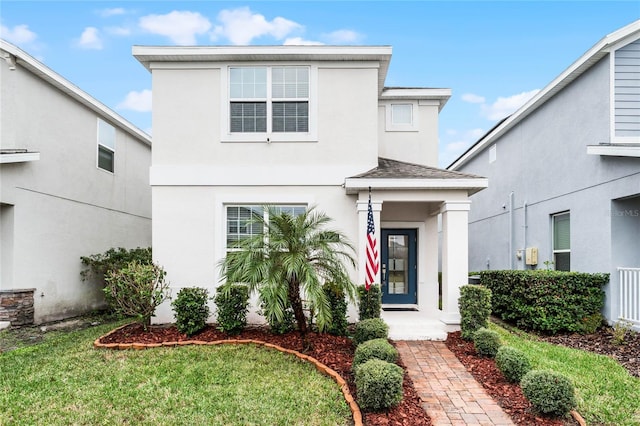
[[64, 207]]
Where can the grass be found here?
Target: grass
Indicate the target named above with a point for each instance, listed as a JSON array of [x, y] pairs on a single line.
[[607, 394], [64, 380]]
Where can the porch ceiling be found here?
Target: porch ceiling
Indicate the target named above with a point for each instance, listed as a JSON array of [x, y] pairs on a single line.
[[395, 175]]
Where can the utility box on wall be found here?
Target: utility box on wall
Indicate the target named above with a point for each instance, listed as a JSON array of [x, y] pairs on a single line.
[[531, 256]]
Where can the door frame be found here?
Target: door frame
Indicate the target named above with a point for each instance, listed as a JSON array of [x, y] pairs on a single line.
[[411, 299]]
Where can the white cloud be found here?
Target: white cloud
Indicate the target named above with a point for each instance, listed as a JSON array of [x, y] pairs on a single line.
[[299, 41], [473, 99], [90, 39], [241, 26], [504, 107], [105, 13], [342, 37], [137, 101], [181, 27], [452, 150], [118, 31], [19, 34]]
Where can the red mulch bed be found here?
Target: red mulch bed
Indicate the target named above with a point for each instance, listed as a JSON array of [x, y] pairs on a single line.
[[508, 395], [334, 351]]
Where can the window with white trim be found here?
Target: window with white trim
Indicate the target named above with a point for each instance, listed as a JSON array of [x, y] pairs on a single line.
[[243, 221], [269, 99], [401, 116], [561, 231], [106, 146]]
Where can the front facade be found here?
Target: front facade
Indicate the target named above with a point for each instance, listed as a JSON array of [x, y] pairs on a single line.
[[73, 182], [564, 175], [236, 128]]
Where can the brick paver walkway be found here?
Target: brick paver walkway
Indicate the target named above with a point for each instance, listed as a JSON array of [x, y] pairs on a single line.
[[449, 393]]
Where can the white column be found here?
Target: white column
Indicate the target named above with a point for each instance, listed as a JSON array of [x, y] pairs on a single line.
[[428, 294], [455, 256], [362, 206]]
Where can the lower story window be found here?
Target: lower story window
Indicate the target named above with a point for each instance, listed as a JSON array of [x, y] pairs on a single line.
[[244, 221], [561, 224]]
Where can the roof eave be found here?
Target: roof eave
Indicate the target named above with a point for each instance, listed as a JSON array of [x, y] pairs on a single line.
[[471, 185], [40, 70]]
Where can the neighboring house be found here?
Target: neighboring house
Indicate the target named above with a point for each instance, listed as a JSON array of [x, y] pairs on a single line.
[[236, 128], [73, 182], [564, 173]]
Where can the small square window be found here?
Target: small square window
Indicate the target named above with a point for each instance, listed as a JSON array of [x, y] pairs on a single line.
[[402, 114], [401, 117]]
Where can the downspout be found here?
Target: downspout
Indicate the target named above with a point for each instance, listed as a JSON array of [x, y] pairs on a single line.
[[524, 234], [511, 236]]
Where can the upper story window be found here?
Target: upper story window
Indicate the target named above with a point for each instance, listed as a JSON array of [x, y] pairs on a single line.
[[401, 117], [269, 99], [106, 146]]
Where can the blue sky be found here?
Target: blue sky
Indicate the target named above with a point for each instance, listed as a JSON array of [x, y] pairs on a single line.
[[493, 55]]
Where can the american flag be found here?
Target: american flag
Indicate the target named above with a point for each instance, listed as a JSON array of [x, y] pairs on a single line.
[[372, 250]]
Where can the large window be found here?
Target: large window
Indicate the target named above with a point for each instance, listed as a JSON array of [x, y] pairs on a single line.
[[106, 146], [243, 221], [269, 99], [561, 241]]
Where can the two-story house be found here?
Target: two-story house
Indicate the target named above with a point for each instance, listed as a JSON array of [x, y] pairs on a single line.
[[564, 173], [73, 182], [240, 127]]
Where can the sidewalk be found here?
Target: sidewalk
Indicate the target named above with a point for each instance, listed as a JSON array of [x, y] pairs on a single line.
[[449, 393]]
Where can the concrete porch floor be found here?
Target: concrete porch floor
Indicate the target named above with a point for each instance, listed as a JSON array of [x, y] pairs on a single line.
[[415, 325]]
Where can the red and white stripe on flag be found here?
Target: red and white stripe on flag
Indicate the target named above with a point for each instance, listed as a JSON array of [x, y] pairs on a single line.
[[373, 264]]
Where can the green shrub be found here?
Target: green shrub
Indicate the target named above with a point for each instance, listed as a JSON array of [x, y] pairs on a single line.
[[338, 303], [487, 342], [369, 302], [191, 310], [378, 385], [137, 290], [550, 393], [279, 326], [513, 363], [98, 265], [374, 349], [546, 301], [232, 302], [369, 329], [475, 309], [591, 323]]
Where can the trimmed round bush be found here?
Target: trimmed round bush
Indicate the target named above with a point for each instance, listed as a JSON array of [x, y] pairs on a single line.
[[191, 310], [369, 329], [378, 385], [549, 392], [374, 349], [232, 302], [487, 342], [513, 363]]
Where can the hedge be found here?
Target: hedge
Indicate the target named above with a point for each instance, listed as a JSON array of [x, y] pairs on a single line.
[[546, 301]]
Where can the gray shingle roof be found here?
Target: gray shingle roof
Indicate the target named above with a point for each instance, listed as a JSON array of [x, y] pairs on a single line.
[[393, 169]]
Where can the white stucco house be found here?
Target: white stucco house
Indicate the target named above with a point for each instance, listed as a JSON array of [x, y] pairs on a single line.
[[73, 182], [564, 173], [239, 127]]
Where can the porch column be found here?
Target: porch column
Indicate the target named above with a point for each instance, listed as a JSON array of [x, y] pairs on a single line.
[[455, 256], [362, 205]]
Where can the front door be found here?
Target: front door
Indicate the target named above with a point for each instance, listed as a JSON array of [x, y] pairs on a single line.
[[399, 271]]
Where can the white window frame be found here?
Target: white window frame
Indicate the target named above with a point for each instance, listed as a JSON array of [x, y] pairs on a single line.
[[265, 213], [555, 251], [268, 137], [391, 126], [101, 144]]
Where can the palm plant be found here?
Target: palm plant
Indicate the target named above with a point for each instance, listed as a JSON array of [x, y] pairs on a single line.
[[292, 260]]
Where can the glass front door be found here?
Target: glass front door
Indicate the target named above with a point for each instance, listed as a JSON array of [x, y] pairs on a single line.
[[398, 266]]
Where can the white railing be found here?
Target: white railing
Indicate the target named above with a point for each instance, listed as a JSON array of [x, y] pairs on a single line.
[[630, 294]]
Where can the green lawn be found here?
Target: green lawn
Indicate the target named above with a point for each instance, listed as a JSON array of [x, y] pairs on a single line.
[[607, 394], [66, 381]]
